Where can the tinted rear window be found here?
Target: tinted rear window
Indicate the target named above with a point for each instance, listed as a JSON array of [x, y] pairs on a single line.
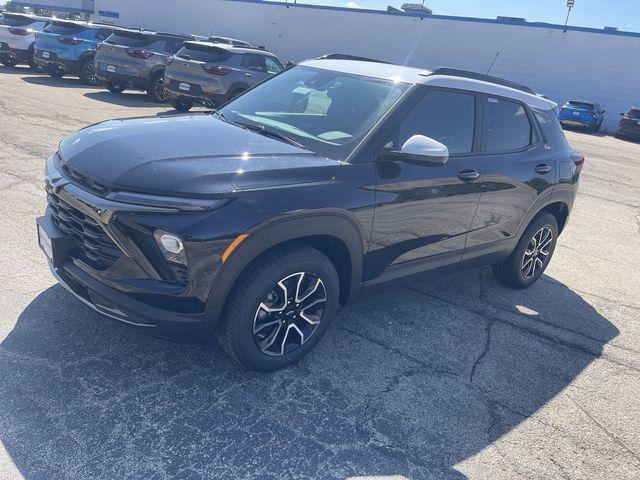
[[551, 129], [506, 124], [64, 29], [634, 114], [130, 39], [204, 54], [16, 22], [582, 105]]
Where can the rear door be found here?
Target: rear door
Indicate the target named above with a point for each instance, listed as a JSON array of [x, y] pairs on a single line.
[[519, 169]]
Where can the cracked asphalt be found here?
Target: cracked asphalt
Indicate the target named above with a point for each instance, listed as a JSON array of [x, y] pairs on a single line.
[[456, 378]]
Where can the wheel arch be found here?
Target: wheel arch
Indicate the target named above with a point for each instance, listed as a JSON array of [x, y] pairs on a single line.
[[336, 235], [86, 55], [157, 69]]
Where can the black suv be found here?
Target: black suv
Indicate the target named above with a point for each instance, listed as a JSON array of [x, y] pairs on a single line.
[[255, 222]]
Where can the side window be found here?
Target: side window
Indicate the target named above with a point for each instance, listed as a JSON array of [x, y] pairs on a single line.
[[448, 117], [272, 65], [172, 46], [550, 126], [103, 34], [506, 125], [254, 62]]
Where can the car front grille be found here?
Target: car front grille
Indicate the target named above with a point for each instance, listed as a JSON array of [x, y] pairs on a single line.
[[92, 244]]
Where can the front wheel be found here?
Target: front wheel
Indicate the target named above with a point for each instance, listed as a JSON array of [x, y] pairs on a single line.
[[88, 74], [9, 61], [532, 254], [181, 105], [115, 87], [280, 308], [156, 91]]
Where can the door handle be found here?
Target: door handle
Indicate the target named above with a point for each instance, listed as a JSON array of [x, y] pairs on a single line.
[[468, 175], [543, 168]]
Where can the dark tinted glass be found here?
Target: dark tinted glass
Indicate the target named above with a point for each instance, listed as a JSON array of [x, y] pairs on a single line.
[[130, 39], [66, 29], [103, 33], [211, 55], [506, 125], [447, 117], [15, 22], [634, 114], [551, 128], [581, 105], [254, 62]]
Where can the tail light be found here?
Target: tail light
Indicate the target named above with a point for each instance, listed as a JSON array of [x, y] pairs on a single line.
[[168, 60], [69, 40], [20, 31], [578, 160], [138, 53], [216, 69]]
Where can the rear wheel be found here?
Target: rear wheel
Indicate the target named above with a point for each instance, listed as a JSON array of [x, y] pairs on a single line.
[[9, 61], [532, 254], [32, 63], [115, 87], [181, 105], [156, 91], [280, 308], [88, 74], [55, 71]]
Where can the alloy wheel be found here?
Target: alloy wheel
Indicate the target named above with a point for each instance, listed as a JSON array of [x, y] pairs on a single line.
[[537, 252], [90, 75], [161, 93], [290, 313]]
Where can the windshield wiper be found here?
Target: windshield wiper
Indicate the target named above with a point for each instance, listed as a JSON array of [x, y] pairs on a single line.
[[267, 132]]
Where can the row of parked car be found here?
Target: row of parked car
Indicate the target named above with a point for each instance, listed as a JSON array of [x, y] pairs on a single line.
[[590, 115], [181, 69]]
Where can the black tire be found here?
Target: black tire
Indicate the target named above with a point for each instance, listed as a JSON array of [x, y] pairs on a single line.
[[156, 91], [236, 329], [115, 87], [513, 272], [88, 74], [181, 105], [55, 71], [234, 93], [33, 66], [9, 61], [596, 129]]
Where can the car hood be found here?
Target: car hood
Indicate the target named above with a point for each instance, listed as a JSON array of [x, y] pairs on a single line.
[[187, 155]]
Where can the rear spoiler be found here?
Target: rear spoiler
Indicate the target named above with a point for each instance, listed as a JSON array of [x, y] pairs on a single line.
[[133, 34], [206, 47]]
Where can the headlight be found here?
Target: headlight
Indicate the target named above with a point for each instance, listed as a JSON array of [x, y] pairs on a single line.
[[171, 246]]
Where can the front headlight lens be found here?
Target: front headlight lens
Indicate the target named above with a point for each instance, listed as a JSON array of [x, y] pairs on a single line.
[[171, 246]]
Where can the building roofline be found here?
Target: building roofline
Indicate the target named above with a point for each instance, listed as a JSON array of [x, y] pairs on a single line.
[[55, 8], [424, 16]]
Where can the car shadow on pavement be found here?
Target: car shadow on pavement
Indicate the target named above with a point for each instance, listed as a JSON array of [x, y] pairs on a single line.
[[124, 99], [64, 82], [411, 383], [17, 70]]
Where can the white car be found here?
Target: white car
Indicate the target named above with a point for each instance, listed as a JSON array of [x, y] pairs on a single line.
[[17, 37]]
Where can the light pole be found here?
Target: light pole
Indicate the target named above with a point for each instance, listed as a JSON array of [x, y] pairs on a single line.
[[570, 4]]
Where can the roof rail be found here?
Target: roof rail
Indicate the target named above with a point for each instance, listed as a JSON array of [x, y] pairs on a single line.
[[455, 72], [344, 56]]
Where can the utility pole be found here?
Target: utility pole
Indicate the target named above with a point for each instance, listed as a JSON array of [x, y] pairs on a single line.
[[570, 5]]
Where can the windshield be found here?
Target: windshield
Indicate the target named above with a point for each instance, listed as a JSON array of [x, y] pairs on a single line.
[[326, 112]]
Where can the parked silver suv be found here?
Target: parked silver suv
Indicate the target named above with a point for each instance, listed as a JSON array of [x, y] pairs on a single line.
[[210, 73], [136, 59], [17, 37]]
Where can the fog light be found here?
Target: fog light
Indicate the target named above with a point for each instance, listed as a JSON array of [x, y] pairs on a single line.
[[171, 246]]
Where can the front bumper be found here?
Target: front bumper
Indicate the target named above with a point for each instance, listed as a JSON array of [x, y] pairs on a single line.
[[136, 288]]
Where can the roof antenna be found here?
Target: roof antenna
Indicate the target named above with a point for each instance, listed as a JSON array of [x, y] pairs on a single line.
[[138, 21], [493, 63]]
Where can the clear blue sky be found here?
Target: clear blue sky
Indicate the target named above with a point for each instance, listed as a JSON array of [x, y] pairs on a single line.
[[624, 14]]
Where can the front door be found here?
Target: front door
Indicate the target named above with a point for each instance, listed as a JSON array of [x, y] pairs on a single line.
[[423, 212]]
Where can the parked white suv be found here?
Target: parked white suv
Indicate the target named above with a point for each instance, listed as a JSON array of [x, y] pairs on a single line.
[[17, 36]]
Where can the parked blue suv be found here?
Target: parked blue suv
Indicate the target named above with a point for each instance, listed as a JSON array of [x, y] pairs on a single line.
[[582, 114], [66, 47]]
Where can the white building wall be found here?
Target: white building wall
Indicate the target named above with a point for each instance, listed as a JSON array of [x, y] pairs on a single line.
[[587, 65]]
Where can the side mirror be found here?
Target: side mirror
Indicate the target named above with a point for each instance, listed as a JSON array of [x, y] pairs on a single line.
[[422, 150]]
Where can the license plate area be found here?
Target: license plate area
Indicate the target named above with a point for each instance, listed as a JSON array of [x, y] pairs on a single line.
[[46, 55], [52, 241], [576, 114], [111, 68], [185, 87]]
